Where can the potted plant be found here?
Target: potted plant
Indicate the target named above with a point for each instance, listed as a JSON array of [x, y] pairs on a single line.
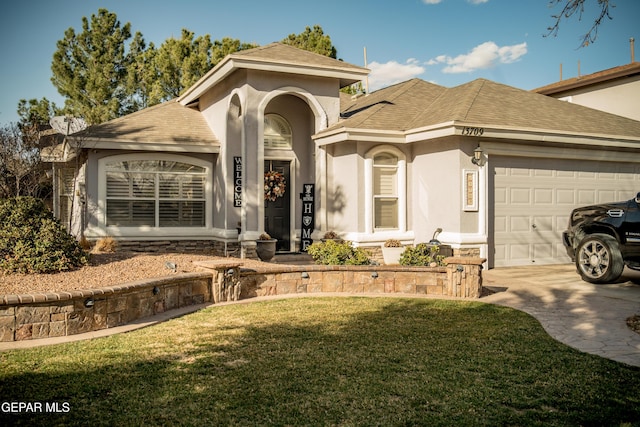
[[266, 247], [391, 251]]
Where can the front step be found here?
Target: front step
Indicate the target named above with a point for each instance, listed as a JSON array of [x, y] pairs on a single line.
[[294, 258]]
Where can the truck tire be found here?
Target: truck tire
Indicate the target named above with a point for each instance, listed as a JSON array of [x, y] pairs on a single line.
[[598, 259]]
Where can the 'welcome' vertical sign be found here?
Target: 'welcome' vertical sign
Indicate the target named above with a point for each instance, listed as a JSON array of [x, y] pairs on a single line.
[[237, 182]]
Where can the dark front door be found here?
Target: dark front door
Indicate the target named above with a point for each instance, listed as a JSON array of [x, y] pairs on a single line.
[[277, 213]]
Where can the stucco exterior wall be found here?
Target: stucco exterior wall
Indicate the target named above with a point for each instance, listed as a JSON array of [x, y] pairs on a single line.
[[615, 97], [436, 176], [344, 180]]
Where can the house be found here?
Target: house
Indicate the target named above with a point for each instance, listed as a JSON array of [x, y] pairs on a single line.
[[497, 169], [615, 90]]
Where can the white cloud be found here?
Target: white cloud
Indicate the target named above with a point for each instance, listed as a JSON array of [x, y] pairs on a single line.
[[392, 72], [431, 1], [485, 55], [477, 1]]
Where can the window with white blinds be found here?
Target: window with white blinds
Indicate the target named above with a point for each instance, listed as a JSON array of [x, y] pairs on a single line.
[[155, 193], [385, 190]]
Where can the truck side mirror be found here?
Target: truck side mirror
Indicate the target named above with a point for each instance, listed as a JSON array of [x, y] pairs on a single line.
[[638, 198]]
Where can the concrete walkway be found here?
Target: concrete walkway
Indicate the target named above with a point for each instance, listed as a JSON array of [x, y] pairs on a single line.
[[590, 318]]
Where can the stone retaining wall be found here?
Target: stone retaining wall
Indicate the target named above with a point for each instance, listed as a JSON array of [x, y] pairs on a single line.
[[461, 278], [25, 317]]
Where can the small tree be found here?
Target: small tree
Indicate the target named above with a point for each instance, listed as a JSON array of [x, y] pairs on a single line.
[[22, 171]]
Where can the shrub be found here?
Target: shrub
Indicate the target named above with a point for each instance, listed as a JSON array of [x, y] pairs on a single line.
[[264, 236], [392, 243], [333, 252], [422, 255], [33, 241], [331, 235], [106, 244]]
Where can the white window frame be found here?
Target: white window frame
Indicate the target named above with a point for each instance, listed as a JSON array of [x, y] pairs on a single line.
[[281, 140], [113, 230], [401, 186]]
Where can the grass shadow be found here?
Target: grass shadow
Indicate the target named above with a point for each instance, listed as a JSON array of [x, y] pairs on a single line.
[[325, 361]]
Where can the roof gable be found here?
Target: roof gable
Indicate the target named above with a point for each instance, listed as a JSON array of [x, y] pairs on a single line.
[[276, 57], [168, 123]]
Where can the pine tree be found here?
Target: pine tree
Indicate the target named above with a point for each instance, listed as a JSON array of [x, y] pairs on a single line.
[[89, 68]]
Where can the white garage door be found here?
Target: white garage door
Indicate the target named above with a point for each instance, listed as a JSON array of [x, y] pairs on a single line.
[[532, 200]]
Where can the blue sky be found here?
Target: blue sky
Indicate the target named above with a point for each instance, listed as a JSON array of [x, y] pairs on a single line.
[[448, 42]]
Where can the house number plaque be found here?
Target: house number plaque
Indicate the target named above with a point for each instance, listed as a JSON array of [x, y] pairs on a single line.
[[308, 215]]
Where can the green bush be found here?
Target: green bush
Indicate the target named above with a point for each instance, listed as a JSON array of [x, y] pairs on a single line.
[[33, 241], [422, 254], [333, 252]]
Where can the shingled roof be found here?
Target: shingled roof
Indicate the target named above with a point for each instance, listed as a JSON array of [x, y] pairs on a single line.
[[169, 123], [286, 54], [416, 103], [615, 73]]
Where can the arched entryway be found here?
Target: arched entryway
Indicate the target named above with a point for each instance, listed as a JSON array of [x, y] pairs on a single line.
[[288, 162]]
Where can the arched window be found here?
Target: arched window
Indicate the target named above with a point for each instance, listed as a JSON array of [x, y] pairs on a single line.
[[277, 132], [155, 193], [385, 187]]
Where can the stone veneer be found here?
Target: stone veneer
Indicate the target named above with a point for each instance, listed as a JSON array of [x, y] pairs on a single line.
[[460, 278], [25, 317]]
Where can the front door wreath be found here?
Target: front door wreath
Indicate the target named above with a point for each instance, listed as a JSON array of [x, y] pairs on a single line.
[[274, 185]]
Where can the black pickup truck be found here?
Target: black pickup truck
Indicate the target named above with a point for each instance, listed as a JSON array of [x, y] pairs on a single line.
[[602, 239]]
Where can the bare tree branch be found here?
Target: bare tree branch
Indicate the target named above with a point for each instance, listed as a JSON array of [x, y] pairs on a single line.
[[576, 7]]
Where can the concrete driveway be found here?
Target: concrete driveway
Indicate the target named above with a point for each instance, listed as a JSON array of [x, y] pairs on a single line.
[[590, 318]]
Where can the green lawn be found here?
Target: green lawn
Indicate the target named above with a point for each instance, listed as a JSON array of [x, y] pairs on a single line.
[[326, 361]]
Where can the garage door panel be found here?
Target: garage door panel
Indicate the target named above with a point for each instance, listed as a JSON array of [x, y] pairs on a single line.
[[543, 196], [542, 251], [566, 197], [543, 223], [542, 193], [586, 197], [520, 252], [519, 224], [520, 196]]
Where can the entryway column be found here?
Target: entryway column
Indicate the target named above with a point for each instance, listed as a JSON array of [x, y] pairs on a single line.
[[253, 183]]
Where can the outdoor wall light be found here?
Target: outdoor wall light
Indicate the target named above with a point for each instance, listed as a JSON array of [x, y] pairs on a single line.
[[89, 302], [230, 272], [478, 158], [374, 274], [305, 275], [156, 290]]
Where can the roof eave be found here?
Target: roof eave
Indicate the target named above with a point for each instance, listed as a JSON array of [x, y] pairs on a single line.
[[482, 133], [580, 82], [353, 134], [164, 146]]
